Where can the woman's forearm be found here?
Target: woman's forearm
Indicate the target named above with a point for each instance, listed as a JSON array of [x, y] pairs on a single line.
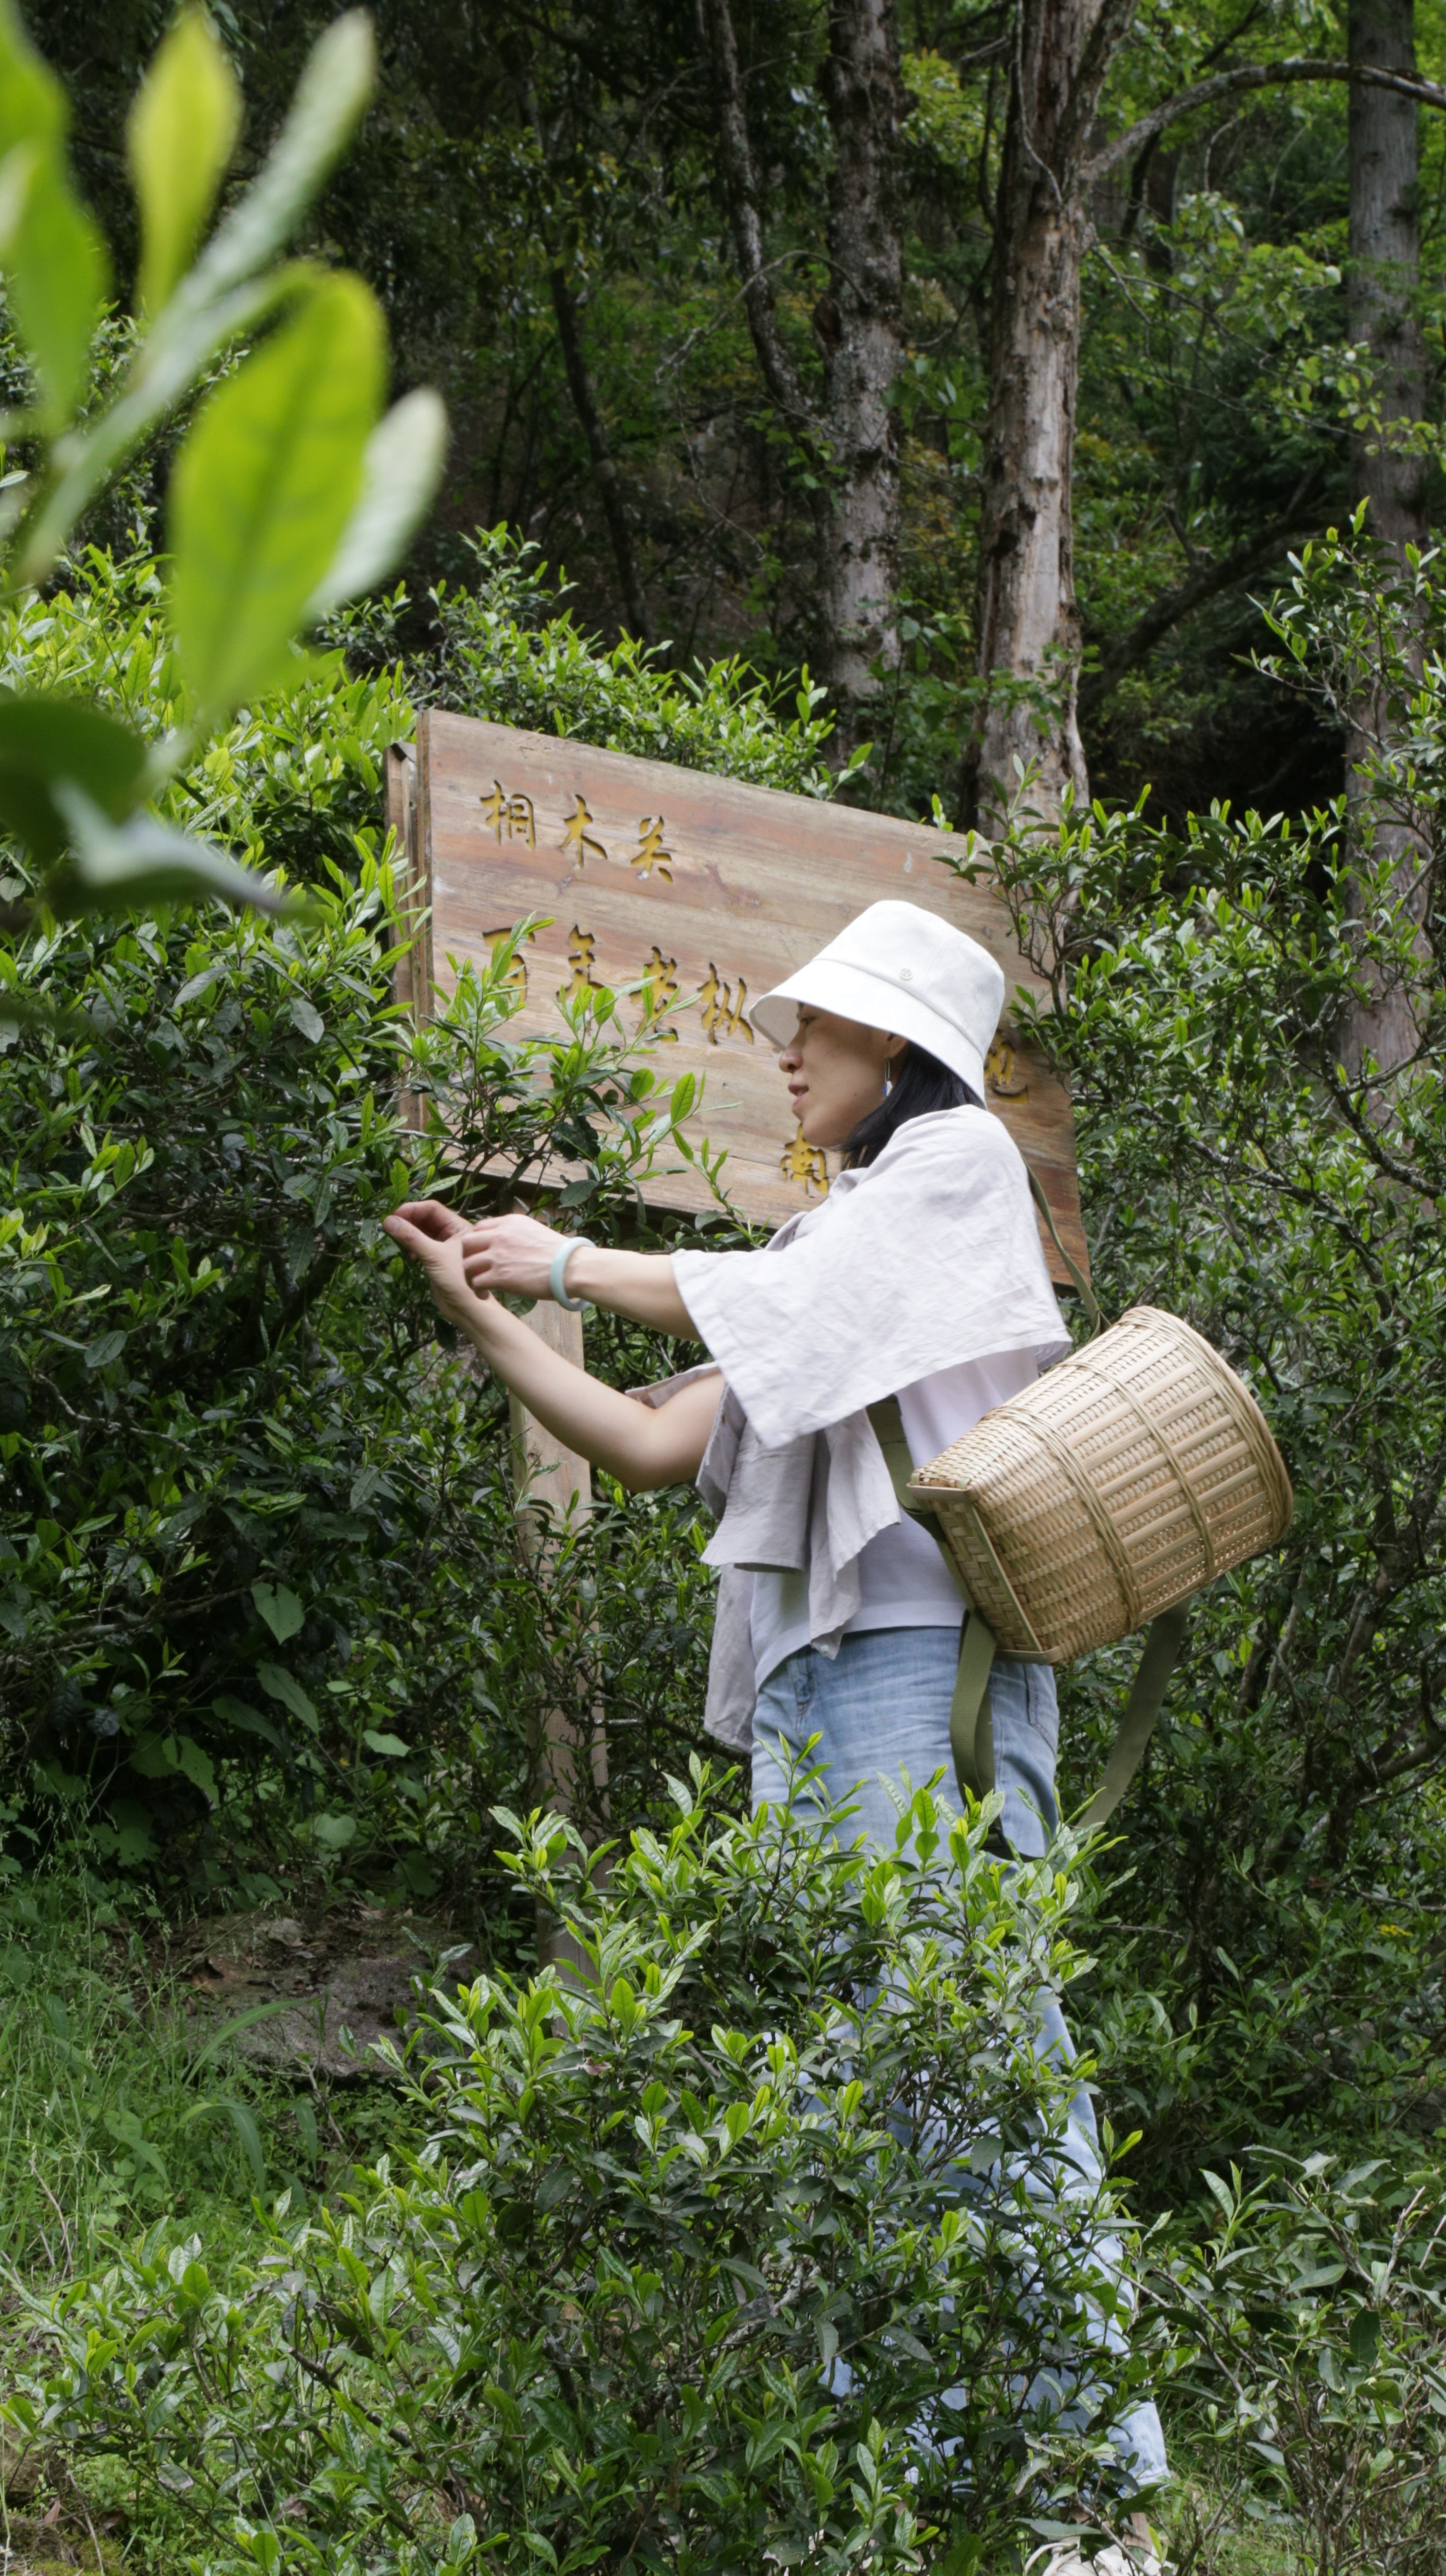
[[641, 1445], [639, 1284]]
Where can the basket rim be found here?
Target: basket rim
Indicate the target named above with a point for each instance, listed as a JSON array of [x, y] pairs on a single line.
[[1274, 1473], [1272, 1463]]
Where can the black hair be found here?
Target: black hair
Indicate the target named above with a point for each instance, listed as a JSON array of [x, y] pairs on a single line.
[[921, 1085]]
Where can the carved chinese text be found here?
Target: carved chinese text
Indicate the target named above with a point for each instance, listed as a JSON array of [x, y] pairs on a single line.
[[575, 835], [510, 814], [803, 1162], [660, 992], [999, 1071], [722, 1013], [581, 957], [650, 852]]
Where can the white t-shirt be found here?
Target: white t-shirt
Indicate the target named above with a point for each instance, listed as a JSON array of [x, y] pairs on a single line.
[[905, 1581]]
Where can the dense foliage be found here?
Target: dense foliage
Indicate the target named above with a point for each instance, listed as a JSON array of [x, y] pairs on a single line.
[[662, 2270], [747, 2252], [1288, 1837], [1220, 380], [242, 1478]]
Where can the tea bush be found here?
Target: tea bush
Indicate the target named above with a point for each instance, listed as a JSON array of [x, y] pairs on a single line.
[[1270, 1935], [261, 1600], [743, 2245]]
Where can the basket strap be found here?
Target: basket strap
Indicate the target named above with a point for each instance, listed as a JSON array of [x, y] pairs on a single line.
[[1163, 1641], [971, 1732], [1078, 1281]]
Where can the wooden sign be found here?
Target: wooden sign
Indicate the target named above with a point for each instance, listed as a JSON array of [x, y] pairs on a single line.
[[708, 893]]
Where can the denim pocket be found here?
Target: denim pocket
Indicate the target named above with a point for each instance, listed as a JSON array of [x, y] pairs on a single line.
[[1041, 1702]]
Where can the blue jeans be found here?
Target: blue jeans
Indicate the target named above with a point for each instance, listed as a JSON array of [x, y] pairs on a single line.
[[881, 1707]]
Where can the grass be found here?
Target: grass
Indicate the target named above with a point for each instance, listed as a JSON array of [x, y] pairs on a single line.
[[105, 2120]]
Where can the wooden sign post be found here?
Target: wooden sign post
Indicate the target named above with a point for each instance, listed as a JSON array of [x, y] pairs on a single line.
[[635, 873]]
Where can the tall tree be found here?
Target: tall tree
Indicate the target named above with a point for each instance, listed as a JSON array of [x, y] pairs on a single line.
[[860, 321], [844, 434], [1028, 622], [1027, 616], [1382, 315], [1383, 277]]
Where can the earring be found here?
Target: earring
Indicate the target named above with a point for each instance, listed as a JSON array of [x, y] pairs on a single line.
[[888, 1079]]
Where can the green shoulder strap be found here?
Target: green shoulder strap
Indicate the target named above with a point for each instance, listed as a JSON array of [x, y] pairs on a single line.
[[971, 1737], [970, 1731], [971, 1734]]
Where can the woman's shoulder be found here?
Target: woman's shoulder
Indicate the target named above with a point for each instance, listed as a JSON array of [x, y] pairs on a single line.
[[960, 1141]]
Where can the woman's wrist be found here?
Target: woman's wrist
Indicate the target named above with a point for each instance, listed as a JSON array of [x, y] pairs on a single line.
[[585, 1271]]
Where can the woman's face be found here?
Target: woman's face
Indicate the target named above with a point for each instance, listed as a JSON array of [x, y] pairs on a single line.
[[835, 1072]]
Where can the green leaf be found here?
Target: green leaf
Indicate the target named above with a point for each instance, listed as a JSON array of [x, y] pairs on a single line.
[[330, 96], [335, 1832], [263, 489], [243, 2121], [400, 474], [46, 742], [32, 102], [198, 1769], [155, 1757], [284, 1686], [126, 867], [179, 139], [53, 253], [390, 1745], [279, 1608], [239, 1713]]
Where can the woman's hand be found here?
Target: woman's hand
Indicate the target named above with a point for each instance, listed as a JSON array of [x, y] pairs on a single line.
[[513, 1254], [436, 1236]]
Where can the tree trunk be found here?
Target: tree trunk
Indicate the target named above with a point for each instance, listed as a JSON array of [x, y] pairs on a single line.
[[1028, 621], [860, 322], [599, 448], [1381, 310], [847, 441], [1385, 256]]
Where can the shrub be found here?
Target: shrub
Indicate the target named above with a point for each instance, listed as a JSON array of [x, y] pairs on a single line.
[[1278, 1873], [1317, 2367], [740, 2246]]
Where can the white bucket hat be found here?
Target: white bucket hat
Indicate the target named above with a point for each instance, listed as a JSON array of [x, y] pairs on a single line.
[[900, 968]]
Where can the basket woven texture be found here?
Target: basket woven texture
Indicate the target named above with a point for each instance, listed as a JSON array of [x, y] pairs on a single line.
[[1121, 1482]]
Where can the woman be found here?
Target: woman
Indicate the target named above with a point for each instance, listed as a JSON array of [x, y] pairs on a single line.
[[919, 1276]]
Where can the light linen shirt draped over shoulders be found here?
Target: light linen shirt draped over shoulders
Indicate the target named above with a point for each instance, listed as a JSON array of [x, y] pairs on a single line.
[[928, 1258]]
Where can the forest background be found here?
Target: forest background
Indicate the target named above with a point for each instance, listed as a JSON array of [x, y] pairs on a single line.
[[1019, 374]]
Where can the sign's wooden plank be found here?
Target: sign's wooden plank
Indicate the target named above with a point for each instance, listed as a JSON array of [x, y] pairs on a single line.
[[711, 890]]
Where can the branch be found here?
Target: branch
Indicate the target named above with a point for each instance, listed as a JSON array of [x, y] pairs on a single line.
[[1103, 43], [740, 188], [1296, 67], [604, 465], [1205, 582]]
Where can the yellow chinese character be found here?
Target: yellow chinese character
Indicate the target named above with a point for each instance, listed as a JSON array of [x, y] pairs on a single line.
[[999, 1070], [650, 853], [722, 1015], [573, 835], [515, 978], [581, 957], [512, 814], [803, 1162], [660, 992]]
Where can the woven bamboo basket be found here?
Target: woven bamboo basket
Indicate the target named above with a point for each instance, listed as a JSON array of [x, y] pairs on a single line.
[[1116, 1486]]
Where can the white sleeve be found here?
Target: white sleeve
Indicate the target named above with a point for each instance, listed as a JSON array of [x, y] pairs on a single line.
[[931, 1258]]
